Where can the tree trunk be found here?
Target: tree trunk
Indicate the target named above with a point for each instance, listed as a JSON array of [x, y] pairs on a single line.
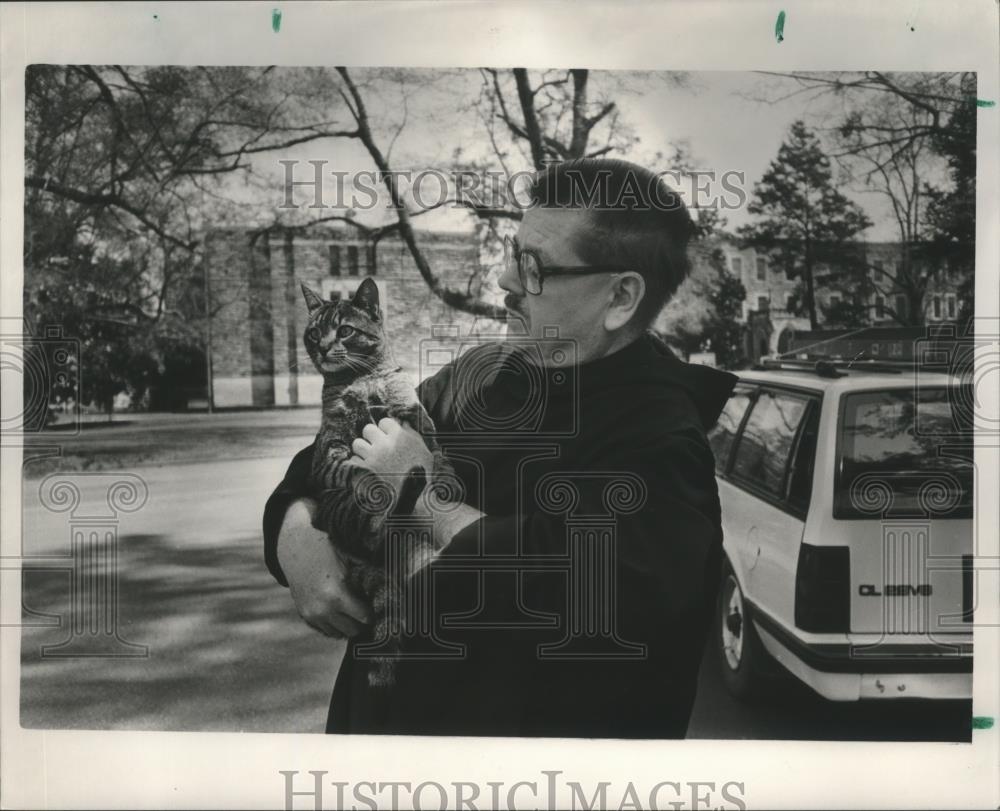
[[810, 287], [526, 97]]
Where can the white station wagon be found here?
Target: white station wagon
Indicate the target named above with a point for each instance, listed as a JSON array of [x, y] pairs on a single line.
[[847, 498]]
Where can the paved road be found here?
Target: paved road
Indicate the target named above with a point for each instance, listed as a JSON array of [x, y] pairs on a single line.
[[226, 650]]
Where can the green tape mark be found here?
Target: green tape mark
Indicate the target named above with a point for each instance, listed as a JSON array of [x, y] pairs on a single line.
[[276, 20], [779, 27], [982, 722], [985, 103]]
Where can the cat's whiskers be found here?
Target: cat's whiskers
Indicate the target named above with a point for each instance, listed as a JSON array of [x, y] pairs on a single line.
[[360, 363]]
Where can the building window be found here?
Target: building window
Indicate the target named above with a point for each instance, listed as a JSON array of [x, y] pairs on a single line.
[[937, 306], [352, 260], [952, 307], [737, 263], [879, 307], [334, 260], [763, 304], [761, 269], [877, 268]]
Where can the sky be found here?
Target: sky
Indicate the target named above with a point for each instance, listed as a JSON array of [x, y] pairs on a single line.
[[722, 119]]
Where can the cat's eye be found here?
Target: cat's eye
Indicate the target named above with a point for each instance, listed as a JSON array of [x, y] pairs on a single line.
[[312, 334], [345, 331]]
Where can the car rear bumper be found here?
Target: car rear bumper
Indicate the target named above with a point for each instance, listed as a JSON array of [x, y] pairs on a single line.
[[844, 686], [893, 670]]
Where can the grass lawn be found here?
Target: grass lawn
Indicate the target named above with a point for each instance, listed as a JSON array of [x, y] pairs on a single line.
[[135, 440]]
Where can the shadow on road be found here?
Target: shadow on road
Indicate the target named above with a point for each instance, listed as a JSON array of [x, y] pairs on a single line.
[[226, 650]]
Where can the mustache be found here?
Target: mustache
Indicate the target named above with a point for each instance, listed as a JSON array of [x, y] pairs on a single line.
[[512, 302]]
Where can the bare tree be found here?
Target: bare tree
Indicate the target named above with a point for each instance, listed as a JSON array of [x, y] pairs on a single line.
[[553, 117], [554, 114], [897, 171], [893, 135]]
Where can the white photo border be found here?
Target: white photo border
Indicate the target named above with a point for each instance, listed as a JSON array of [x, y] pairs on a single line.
[[73, 769]]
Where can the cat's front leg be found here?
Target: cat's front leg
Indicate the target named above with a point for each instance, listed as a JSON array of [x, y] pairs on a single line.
[[360, 506], [329, 478], [416, 416]]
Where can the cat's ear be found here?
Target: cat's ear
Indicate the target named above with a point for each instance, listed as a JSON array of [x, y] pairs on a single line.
[[366, 298], [313, 301]]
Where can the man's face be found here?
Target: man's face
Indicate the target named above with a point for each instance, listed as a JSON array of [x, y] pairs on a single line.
[[574, 304]]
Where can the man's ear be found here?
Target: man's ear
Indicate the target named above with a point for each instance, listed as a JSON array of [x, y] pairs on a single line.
[[313, 302], [627, 291], [366, 298]]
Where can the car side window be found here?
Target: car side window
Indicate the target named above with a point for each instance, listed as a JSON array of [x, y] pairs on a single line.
[[721, 436], [801, 477], [764, 447]]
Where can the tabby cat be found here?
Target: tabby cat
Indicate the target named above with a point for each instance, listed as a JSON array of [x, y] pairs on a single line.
[[347, 343]]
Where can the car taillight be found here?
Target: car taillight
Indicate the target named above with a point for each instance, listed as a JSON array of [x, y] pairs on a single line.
[[823, 589], [968, 579]]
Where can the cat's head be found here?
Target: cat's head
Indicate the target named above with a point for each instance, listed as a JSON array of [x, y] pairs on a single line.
[[345, 337]]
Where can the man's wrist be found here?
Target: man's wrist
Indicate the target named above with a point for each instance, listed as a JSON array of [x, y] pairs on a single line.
[[448, 522]]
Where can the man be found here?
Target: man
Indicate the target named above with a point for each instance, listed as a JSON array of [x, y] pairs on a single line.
[[545, 622]]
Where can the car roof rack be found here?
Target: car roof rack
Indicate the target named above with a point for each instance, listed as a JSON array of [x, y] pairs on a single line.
[[832, 367]]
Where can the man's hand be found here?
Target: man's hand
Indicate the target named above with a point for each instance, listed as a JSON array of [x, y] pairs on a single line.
[[390, 451], [317, 576]]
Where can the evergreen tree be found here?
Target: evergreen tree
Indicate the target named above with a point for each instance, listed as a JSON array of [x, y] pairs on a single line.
[[801, 217]]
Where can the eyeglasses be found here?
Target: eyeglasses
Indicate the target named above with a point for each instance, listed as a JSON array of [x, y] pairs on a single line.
[[532, 273]]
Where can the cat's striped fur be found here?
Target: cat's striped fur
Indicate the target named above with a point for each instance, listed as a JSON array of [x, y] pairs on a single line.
[[347, 343]]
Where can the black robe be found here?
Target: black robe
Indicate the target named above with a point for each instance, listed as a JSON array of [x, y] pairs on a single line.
[[581, 604]]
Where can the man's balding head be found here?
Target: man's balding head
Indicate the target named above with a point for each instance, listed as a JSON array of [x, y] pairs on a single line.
[[634, 220]]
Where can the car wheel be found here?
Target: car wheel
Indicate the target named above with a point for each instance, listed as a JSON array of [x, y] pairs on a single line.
[[742, 658]]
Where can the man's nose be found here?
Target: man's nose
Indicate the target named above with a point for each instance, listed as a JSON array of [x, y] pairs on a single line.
[[509, 281]]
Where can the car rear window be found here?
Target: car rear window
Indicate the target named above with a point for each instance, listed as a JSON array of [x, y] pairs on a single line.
[[722, 435], [905, 453], [766, 442]]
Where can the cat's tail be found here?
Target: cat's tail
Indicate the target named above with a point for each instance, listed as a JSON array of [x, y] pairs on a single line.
[[382, 670]]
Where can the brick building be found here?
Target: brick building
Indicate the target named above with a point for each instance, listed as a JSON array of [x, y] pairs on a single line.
[[257, 357], [768, 307]]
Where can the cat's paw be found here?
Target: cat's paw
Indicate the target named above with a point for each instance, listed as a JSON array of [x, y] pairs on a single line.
[[413, 485]]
